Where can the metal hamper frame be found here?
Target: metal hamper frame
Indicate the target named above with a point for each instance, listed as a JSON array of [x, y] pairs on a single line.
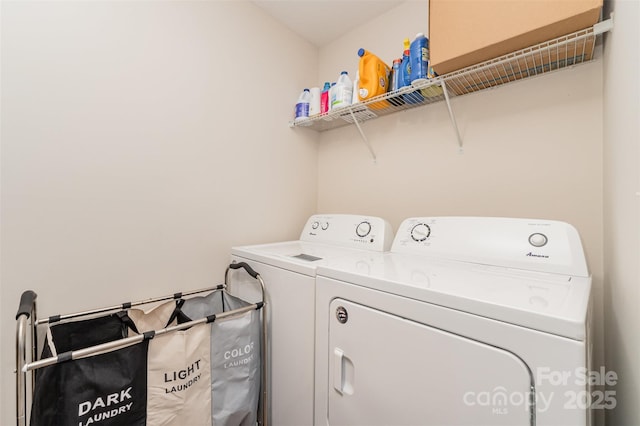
[[26, 317]]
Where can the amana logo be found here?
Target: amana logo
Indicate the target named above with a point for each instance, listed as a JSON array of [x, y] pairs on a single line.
[[530, 254]]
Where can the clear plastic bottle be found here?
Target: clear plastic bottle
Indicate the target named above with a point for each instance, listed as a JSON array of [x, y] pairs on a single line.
[[356, 87], [314, 104], [342, 92], [302, 106]]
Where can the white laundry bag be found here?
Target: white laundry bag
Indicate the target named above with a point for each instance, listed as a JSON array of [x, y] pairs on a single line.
[[178, 369]]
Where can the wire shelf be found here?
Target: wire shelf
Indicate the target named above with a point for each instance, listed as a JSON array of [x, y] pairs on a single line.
[[388, 103], [562, 52], [556, 54]]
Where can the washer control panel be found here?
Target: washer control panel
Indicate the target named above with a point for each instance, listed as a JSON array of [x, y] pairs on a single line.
[[537, 245], [369, 232]]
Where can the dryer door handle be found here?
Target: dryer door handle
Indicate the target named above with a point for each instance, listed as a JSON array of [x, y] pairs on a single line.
[[343, 373]]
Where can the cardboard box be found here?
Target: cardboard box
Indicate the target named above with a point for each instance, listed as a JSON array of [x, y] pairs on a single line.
[[467, 32]]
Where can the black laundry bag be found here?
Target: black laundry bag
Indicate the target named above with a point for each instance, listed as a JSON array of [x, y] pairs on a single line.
[[108, 389], [105, 389], [74, 335]]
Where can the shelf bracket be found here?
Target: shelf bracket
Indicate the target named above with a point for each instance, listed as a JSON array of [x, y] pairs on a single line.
[[451, 116], [603, 26], [364, 137]]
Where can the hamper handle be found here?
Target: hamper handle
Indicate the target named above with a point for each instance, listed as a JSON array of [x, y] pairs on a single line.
[[26, 303], [246, 267]]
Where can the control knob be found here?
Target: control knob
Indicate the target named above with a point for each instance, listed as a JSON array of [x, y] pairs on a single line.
[[363, 229], [538, 240], [420, 232]]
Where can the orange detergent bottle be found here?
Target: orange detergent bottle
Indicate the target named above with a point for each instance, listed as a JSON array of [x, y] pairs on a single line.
[[374, 78]]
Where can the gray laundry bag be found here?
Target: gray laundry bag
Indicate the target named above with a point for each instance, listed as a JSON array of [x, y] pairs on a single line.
[[235, 357]]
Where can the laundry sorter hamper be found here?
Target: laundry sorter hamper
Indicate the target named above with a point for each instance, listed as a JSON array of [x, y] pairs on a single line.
[[195, 358]]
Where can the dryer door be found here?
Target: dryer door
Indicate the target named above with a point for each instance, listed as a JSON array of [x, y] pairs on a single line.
[[387, 370]]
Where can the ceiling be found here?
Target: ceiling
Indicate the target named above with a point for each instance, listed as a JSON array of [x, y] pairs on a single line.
[[322, 21]]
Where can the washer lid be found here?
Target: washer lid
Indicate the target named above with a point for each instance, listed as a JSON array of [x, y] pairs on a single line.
[[296, 256], [547, 302]]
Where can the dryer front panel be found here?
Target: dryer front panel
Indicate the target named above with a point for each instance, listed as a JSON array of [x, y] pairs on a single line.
[[387, 370]]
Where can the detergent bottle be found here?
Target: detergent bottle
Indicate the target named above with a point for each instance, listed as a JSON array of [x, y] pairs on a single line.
[[302, 106], [419, 59], [405, 66], [395, 78], [342, 92], [324, 98], [395, 81], [405, 76], [374, 75]]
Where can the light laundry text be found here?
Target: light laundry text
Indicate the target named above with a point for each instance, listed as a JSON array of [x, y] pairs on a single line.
[[191, 372]]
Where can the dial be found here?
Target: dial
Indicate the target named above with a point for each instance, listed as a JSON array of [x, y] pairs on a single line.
[[420, 232], [538, 240], [363, 229], [325, 226], [314, 225]]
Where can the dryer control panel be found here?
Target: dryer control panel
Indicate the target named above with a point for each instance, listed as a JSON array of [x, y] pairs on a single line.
[[530, 244], [362, 232]]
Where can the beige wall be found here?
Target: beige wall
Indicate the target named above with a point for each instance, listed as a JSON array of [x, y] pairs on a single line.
[[531, 149], [140, 141], [622, 209]]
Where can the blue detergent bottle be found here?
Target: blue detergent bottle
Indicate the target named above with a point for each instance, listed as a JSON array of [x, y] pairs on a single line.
[[419, 59], [405, 76]]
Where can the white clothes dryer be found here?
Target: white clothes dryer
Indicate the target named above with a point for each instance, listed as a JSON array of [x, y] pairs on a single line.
[[466, 321], [289, 272]]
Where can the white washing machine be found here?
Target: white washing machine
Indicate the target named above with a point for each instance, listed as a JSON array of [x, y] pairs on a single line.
[[289, 272], [466, 321]]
